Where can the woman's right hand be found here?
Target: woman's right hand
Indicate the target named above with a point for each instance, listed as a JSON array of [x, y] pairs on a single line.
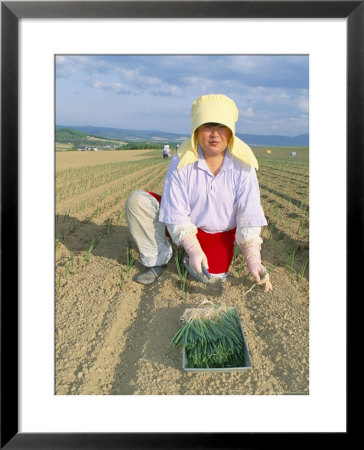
[[196, 259], [196, 256]]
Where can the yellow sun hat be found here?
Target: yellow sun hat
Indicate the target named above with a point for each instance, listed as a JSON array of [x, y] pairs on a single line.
[[215, 108]]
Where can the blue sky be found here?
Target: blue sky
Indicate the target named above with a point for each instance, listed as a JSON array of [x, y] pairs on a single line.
[[155, 92]]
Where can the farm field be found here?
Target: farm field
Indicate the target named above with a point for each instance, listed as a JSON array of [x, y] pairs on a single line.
[[113, 334]]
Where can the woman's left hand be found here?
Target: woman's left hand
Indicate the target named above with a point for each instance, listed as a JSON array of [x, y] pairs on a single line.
[[256, 268], [263, 279]]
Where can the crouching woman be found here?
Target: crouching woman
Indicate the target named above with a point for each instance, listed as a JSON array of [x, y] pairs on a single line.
[[210, 199]]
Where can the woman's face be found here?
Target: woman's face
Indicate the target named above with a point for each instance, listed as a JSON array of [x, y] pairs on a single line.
[[213, 138]]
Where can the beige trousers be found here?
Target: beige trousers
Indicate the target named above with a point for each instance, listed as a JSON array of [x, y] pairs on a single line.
[[142, 216]]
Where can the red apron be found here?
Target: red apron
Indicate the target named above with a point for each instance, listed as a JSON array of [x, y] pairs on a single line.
[[218, 247]]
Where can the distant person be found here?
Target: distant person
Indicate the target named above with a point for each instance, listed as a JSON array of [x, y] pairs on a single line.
[[177, 147], [210, 199], [166, 151]]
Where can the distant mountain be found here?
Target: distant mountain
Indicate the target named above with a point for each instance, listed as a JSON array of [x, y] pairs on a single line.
[[163, 136], [129, 135], [275, 140]]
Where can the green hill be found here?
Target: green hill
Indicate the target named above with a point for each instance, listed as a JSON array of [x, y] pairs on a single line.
[[68, 138], [70, 135], [74, 138]]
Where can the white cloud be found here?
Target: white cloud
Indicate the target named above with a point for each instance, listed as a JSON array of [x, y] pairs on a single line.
[[64, 67], [247, 112], [303, 103], [268, 90]]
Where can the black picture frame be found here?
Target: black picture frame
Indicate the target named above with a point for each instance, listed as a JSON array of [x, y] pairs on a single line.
[[11, 13]]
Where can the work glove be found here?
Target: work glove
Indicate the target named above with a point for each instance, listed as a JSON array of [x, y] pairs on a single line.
[[253, 259], [196, 257]]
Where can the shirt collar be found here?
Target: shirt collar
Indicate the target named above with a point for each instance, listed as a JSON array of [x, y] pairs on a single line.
[[227, 164]]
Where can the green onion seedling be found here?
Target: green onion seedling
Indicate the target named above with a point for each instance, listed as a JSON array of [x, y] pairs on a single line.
[[181, 271], [130, 260], [291, 261], [92, 245], [303, 269], [236, 249]]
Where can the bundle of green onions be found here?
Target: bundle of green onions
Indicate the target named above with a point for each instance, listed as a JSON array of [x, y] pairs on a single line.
[[211, 338]]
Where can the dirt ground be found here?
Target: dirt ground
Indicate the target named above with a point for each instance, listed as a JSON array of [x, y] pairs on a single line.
[[113, 339]]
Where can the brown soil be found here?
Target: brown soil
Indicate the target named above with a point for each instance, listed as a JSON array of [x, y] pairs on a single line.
[[66, 160], [113, 338]]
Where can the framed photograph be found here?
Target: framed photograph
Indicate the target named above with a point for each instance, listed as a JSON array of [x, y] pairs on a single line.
[[39, 38]]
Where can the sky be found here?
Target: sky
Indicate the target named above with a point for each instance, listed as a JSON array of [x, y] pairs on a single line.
[[156, 92]]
